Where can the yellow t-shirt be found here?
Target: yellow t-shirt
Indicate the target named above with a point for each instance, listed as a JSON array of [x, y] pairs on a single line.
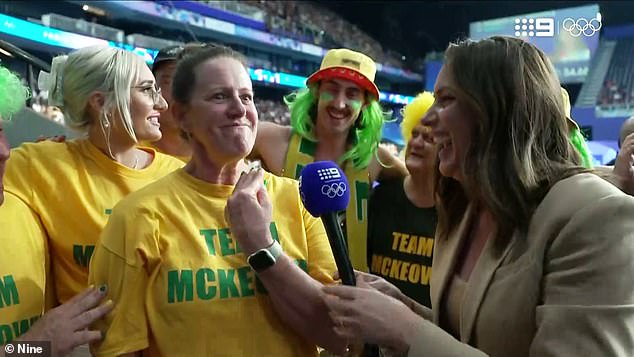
[[180, 283], [23, 266], [72, 187], [147, 144]]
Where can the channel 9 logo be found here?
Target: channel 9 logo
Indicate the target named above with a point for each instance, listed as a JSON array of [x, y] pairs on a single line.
[[545, 26], [538, 27]]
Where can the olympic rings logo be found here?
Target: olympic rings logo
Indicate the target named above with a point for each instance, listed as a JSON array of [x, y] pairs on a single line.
[[582, 26], [334, 189]]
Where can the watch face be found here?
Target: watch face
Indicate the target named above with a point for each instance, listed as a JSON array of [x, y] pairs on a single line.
[[261, 260]]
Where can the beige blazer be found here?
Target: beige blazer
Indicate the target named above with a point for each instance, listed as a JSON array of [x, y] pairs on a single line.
[[566, 289]]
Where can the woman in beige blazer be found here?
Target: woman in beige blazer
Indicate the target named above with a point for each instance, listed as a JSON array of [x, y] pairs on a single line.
[[534, 255]]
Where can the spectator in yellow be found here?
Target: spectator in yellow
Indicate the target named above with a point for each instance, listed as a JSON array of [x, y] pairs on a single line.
[[111, 96], [24, 264], [188, 282]]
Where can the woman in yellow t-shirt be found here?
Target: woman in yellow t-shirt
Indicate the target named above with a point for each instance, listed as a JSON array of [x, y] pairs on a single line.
[[111, 97], [24, 268], [178, 271]]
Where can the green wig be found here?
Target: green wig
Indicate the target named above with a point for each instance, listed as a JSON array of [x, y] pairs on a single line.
[[13, 94], [576, 137], [365, 137], [579, 142]]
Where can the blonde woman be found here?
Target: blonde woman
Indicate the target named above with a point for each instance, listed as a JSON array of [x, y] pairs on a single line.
[[110, 95]]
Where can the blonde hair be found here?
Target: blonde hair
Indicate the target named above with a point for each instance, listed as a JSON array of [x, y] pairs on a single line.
[[414, 112], [106, 69]]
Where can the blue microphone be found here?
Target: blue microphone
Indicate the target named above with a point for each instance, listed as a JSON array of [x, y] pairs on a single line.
[[324, 190]]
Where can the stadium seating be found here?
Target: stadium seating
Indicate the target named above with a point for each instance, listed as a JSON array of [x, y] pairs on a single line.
[[618, 86]]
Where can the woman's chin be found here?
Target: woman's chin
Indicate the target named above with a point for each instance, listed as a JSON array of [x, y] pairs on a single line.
[[243, 147], [448, 170], [150, 136], [237, 152]]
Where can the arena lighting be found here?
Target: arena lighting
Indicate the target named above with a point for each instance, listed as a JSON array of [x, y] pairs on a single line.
[[58, 38], [93, 10], [5, 53]]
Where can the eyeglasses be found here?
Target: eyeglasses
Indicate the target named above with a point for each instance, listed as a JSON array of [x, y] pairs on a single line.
[[153, 92]]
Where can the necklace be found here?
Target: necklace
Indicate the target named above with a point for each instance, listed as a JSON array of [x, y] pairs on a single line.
[[136, 161]]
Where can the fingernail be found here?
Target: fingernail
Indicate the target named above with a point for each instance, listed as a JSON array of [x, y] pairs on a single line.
[[91, 286], [109, 302], [103, 288]]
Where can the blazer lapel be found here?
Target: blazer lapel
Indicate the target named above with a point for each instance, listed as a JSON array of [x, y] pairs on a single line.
[[479, 281], [445, 254]]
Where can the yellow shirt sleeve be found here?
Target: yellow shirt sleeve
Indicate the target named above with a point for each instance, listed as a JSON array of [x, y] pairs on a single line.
[[22, 268], [122, 260], [19, 179]]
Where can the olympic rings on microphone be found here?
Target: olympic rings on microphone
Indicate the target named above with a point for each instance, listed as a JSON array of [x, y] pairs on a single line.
[[334, 189], [581, 26]]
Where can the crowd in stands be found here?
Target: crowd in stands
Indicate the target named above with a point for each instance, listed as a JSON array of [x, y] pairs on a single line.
[[615, 94], [618, 87], [305, 21], [239, 7], [273, 111], [298, 20]]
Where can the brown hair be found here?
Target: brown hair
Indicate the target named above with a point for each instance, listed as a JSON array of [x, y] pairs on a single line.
[[519, 148], [190, 58]]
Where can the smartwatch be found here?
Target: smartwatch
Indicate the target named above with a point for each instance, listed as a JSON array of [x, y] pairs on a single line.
[[265, 257]]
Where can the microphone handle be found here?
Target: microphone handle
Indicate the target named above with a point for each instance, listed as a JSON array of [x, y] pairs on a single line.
[[339, 248]]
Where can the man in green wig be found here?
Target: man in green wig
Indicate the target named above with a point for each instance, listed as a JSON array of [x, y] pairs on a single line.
[[338, 118]]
